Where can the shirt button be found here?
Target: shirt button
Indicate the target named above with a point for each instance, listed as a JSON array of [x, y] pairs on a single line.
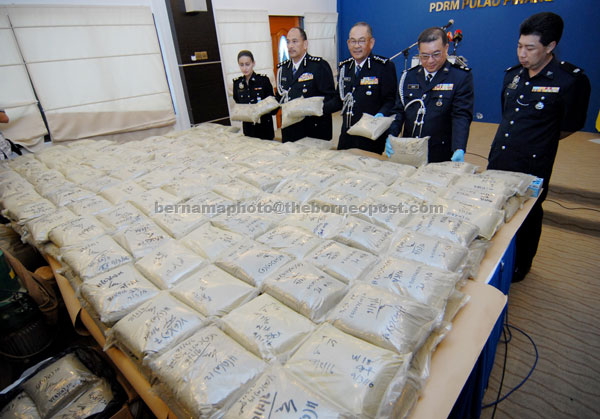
[[506, 135], [543, 97], [516, 109], [503, 147], [512, 122], [521, 97], [534, 156], [526, 83]]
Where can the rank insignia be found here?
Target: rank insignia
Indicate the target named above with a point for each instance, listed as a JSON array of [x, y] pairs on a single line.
[[305, 77], [545, 89], [444, 86], [369, 80], [539, 106]]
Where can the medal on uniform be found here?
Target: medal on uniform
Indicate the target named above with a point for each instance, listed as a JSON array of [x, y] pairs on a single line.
[[514, 82], [241, 86], [304, 90], [439, 102], [539, 106]]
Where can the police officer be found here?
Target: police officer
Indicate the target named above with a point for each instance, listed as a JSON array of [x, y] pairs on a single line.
[[367, 83], [439, 95], [305, 76], [252, 88], [543, 101]]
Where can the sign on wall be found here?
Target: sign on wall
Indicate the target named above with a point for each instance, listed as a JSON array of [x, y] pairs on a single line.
[[444, 6]]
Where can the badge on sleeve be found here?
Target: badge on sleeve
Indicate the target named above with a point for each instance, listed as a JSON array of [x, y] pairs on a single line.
[[241, 86], [369, 80], [305, 77], [515, 81]]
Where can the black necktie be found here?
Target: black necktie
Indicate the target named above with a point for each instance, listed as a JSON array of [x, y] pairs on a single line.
[[293, 71], [429, 77], [357, 70]]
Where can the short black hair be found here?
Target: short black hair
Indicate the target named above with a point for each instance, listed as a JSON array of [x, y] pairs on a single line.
[[245, 53], [366, 25], [302, 33], [433, 34], [547, 25]]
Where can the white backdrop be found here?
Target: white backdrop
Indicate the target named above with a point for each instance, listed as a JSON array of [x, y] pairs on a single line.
[[17, 98], [96, 70]]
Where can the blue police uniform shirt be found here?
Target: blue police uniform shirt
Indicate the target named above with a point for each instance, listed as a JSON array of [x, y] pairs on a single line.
[[534, 112], [313, 78], [374, 91], [257, 88], [448, 100]]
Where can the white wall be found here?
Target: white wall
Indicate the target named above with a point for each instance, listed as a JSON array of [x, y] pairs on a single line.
[[165, 38], [279, 7]]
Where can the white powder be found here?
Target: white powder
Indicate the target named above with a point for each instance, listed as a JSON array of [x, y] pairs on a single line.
[[121, 192], [385, 319], [486, 218], [76, 231], [267, 328], [265, 181], [340, 261], [306, 289], [29, 211], [121, 216], [152, 200], [518, 182], [322, 225], [141, 238], [209, 241], [476, 196], [433, 176], [250, 225], [168, 264], [181, 223], [445, 227], [40, 227], [291, 240], [431, 251], [426, 284], [155, 326], [67, 194], [370, 127], [21, 407], [349, 371], [281, 395], [296, 189], [115, 293], [357, 185], [420, 190], [90, 206], [251, 262], [213, 292], [94, 257], [365, 236], [236, 190], [56, 385], [410, 151], [203, 372], [93, 401]]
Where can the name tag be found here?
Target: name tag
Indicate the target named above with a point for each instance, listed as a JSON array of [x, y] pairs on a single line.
[[545, 89], [369, 80], [305, 77], [347, 78], [444, 86], [413, 86]]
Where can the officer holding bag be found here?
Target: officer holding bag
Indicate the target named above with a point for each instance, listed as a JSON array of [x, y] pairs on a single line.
[[367, 84], [436, 100]]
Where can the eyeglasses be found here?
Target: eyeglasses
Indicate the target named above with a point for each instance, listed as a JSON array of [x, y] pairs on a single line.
[[362, 42], [436, 56]]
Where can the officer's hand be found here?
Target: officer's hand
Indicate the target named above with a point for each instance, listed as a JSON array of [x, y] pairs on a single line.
[[388, 147], [378, 115], [459, 155]]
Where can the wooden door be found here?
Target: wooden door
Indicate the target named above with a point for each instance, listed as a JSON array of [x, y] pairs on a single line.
[[280, 25]]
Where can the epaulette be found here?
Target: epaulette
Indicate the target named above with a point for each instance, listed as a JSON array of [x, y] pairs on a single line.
[[461, 67], [570, 68], [261, 75], [238, 78], [281, 64], [512, 68], [414, 67], [381, 59], [345, 61], [310, 57]]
